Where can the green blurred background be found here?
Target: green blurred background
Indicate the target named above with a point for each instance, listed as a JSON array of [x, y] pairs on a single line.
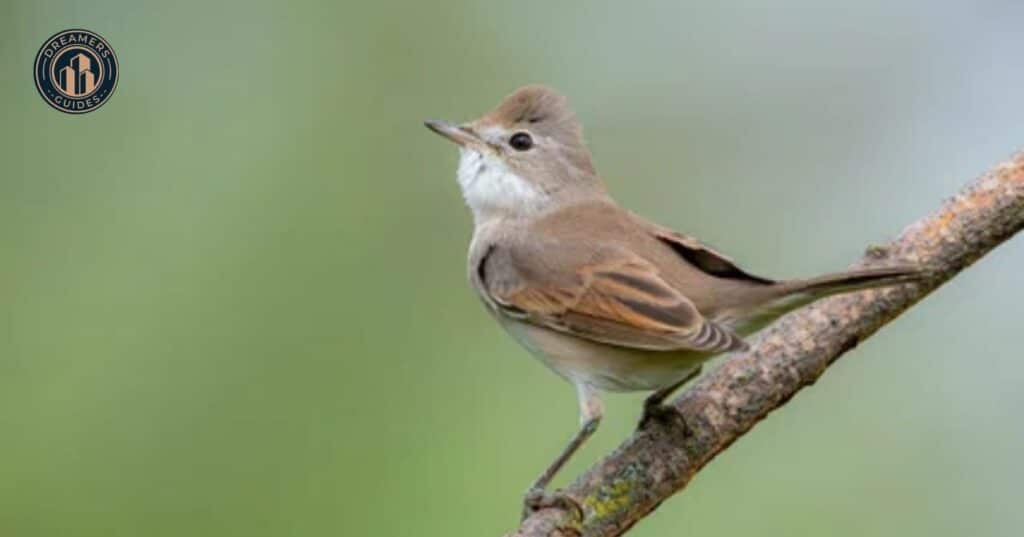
[[232, 301]]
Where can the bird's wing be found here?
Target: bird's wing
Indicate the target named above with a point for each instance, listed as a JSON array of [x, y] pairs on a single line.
[[603, 294], [702, 256]]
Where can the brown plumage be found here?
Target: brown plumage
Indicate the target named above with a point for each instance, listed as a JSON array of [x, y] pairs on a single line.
[[605, 298]]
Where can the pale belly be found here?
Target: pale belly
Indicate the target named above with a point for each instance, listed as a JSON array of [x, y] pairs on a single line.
[[601, 366]]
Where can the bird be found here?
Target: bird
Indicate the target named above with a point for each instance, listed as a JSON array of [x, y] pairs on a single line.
[[605, 298]]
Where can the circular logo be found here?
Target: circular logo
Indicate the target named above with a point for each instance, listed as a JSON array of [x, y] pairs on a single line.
[[76, 71]]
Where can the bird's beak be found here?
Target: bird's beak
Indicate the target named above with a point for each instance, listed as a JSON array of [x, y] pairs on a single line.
[[462, 136]]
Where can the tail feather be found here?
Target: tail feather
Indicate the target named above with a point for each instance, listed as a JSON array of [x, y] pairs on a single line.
[[853, 280], [785, 296]]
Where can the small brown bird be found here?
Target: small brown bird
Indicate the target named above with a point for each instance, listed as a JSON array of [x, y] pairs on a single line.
[[606, 299]]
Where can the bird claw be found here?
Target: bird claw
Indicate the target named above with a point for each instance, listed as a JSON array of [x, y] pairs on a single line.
[[537, 499], [658, 412]]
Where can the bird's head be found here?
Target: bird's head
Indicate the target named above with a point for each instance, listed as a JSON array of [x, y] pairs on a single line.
[[522, 156]]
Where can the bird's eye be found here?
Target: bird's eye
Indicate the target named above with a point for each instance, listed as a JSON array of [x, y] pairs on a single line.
[[520, 141]]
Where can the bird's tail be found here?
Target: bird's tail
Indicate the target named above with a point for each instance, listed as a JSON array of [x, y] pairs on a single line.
[[782, 297], [853, 280]]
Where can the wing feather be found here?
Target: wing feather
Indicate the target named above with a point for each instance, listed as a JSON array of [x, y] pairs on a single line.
[[615, 298]]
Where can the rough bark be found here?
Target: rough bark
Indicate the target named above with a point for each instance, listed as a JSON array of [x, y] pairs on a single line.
[[661, 457]]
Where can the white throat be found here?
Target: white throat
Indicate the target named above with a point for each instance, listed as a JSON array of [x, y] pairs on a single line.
[[492, 190]]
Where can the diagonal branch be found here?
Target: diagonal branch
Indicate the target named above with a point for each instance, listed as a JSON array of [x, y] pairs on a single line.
[[659, 459]]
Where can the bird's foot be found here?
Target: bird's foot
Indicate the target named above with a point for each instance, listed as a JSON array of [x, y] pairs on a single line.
[[655, 408], [536, 499], [657, 411]]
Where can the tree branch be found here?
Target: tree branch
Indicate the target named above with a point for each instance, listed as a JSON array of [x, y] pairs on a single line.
[[659, 459]]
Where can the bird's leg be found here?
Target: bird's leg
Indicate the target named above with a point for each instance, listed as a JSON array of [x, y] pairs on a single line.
[[654, 407], [591, 410]]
